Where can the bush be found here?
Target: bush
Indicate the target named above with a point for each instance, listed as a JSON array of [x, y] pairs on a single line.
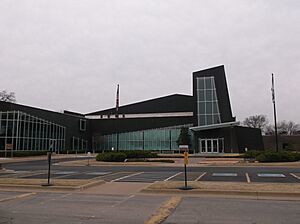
[[111, 157], [73, 151], [139, 154], [281, 156], [23, 153], [297, 156], [122, 155], [252, 154], [148, 160]]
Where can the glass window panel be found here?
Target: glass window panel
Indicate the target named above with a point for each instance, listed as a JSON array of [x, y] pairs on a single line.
[[209, 119], [200, 83], [216, 119], [202, 120], [215, 108], [209, 146], [214, 97], [208, 83], [208, 107], [208, 95], [215, 145], [201, 108], [201, 96]]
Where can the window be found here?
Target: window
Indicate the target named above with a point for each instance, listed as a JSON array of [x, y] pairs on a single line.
[[82, 125], [208, 109]]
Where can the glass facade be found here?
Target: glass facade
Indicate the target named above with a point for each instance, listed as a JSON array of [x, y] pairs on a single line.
[[214, 145], [21, 131], [79, 144], [152, 139], [207, 102]]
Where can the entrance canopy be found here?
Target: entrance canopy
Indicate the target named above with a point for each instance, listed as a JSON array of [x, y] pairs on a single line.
[[215, 126]]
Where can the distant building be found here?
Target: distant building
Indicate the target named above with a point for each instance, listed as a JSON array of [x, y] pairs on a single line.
[[148, 125], [285, 142]]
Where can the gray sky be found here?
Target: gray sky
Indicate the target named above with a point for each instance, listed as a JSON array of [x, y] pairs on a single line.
[[70, 54]]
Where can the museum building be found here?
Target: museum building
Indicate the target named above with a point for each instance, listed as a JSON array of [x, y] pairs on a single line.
[[153, 124]]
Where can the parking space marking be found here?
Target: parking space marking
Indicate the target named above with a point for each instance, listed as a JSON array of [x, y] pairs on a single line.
[[294, 175], [248, 178], [64, 172], [27, 175], [97, 173], [17, 197], [169, 178], [198, 178], [224, 174], [131, 175], [65, 176], [280, 175]]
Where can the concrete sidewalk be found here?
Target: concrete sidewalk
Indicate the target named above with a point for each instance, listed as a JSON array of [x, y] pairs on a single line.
[[178, 162], [290, 190], [43, 157]]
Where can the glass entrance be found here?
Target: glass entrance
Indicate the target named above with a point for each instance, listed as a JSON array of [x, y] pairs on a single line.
[[214, 145]]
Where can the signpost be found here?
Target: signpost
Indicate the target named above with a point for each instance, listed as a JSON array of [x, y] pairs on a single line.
[[186, 161], [49, 154], [185, 149]]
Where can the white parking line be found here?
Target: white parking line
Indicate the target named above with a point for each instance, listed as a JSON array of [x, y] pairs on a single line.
[[17, 197], [280, 175], [131, 175], [248, 178], [224, 174], [97, 173], [294, 175], [64, 172], [172, 176], [198, 178]]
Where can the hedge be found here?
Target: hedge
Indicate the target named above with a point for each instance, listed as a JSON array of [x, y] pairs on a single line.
[[23, 153], [281, 156], [272, 156], [122, 155], [139, 154], [252, 154], [111, 157]]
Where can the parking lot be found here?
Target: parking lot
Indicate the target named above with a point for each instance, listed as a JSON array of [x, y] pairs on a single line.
[[150, 177]]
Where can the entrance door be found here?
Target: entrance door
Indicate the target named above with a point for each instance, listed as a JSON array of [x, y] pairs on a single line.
[[210, 145]]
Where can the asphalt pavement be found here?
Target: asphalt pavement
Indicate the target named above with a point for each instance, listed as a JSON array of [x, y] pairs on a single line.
[[235, 211], [150, 174], [75, 208]]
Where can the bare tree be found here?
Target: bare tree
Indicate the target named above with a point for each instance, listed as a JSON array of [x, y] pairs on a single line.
[[283, 128], [256, 121], [269, 130], [288, 127], [7, 96]]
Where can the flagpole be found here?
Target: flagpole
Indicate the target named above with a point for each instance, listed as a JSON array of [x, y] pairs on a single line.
[[274, 106], [117, 116]]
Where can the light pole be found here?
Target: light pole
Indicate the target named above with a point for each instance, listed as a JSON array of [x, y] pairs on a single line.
[[274, 107]]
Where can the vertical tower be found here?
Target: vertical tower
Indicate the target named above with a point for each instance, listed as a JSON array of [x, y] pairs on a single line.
[[211, 98]]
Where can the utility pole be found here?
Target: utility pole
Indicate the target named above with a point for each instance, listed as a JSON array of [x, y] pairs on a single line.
[[274, 106]]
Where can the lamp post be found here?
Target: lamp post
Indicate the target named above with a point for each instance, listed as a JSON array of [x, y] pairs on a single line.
[[274, 108]]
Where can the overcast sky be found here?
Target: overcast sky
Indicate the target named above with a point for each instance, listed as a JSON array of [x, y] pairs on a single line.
[[71, 54]]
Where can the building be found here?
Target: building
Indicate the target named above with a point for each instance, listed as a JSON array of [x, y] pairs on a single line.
[[148, 125]]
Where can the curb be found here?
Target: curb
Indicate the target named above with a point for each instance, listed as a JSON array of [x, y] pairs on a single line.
[[222, 192], [53, 187]]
